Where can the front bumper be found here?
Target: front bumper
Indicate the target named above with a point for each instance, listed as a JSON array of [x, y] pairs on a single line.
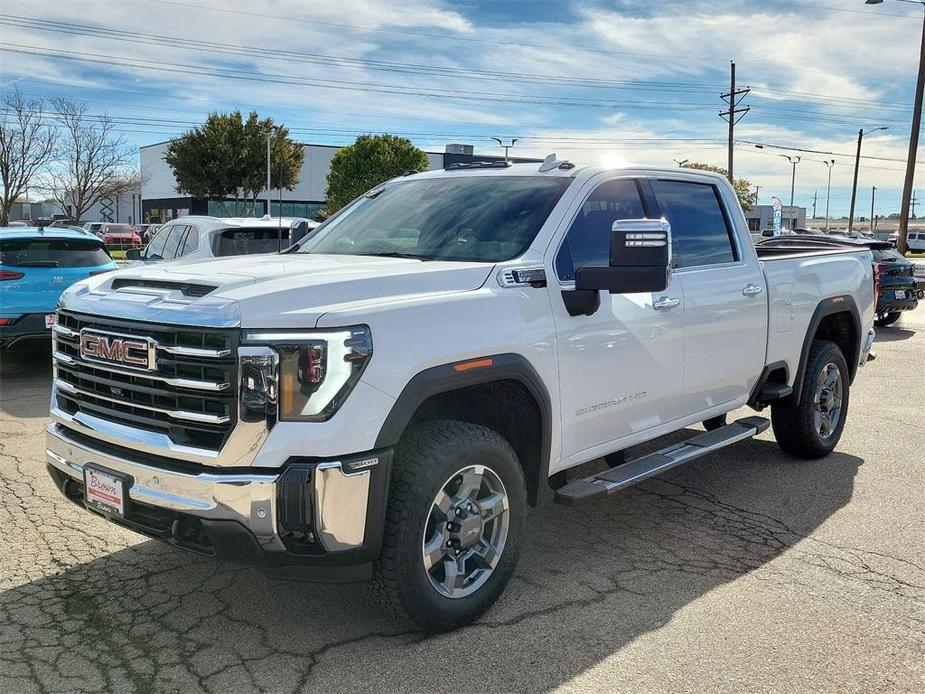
[[313, 519]]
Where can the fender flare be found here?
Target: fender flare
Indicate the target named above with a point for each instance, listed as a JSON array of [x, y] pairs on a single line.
[[828, 307], [446, 378]]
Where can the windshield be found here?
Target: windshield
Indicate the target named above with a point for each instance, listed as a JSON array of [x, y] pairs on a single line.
[[117, 229], [472, 218], [52, 253]]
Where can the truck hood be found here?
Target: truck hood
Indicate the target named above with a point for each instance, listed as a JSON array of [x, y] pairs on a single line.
[[292, 290]]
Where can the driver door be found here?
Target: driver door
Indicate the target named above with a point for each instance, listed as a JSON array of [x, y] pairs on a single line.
[[620, 369]]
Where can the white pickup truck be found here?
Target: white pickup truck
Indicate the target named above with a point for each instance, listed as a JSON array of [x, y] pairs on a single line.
[[386, 399]]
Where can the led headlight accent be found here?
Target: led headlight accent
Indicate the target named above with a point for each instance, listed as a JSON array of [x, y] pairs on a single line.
[[317, 370]]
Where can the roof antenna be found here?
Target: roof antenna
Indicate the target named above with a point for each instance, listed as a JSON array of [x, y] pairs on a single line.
[[549, 163], [507, 148]]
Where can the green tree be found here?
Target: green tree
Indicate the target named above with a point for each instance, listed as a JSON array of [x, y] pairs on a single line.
[[226, 156], [743, 187], [286, 156], [369, 161]]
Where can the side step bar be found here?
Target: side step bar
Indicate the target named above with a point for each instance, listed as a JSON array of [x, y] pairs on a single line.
[[605, 483]]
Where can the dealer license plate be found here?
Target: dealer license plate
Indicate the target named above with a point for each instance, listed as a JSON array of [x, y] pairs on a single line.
[[50, 320], [900, 293], [104, 490]]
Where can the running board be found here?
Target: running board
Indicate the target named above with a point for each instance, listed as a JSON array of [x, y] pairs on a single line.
[[605, 483]]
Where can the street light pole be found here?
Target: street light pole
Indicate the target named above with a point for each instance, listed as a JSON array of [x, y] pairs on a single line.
[[873, 196], [828, 191], [857, 165], [793, 179], [901, 245], [269, 135]]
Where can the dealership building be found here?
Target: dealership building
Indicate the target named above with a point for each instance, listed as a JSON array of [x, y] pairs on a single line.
[[161, 202]]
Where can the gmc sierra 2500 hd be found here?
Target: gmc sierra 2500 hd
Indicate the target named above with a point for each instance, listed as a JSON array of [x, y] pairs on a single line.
[[386, 398]]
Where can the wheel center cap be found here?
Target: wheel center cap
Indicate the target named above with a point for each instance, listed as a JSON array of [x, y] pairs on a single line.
[[467, 531]]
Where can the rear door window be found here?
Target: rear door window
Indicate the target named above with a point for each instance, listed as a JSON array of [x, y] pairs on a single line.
[[243, 241], [172, 245], [52, 253], [700, 232], [191, 242]]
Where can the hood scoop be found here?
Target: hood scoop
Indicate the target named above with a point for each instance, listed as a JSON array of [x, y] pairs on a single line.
[[188, 289]]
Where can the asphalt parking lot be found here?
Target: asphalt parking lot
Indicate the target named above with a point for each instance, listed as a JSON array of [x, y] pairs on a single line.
[[745, 571]]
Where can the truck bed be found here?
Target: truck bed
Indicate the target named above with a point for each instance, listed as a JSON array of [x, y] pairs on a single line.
[[799, 277]]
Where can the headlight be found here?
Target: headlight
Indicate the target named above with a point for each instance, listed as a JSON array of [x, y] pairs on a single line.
[[317, 369]]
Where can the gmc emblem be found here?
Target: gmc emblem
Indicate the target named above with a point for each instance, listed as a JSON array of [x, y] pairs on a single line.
[[137, 352]]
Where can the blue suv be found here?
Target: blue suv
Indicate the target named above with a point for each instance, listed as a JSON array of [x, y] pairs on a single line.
[[36, 265]]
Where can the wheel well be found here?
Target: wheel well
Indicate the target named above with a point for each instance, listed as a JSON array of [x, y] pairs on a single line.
[[506, 406], [840, 328]]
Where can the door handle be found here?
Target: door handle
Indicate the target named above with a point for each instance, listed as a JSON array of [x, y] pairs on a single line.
[[752, 290], [665, 302]]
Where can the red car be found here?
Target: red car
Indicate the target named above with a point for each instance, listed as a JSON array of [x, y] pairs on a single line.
[[120, 236]]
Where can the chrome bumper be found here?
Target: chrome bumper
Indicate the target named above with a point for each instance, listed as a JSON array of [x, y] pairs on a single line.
[[339, 499]]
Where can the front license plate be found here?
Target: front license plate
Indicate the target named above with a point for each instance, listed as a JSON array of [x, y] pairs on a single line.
[[900, 293], [104, 490], [50, 320]]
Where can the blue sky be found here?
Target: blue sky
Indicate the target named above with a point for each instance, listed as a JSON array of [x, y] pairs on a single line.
[[624, 81]]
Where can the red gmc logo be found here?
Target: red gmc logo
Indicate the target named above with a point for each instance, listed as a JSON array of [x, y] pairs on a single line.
[[123, 350]]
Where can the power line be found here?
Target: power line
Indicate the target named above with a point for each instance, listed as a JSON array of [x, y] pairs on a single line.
[[403, 68], [322, 59], [277, 78]]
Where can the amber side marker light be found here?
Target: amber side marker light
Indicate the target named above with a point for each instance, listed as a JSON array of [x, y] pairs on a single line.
[[473, 364]]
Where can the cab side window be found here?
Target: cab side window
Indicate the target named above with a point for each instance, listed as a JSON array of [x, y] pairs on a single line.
[[700, 233], [587, 242], [190, 242]]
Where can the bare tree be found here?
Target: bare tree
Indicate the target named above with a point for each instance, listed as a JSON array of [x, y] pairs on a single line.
[[27, 143], [92, 164]]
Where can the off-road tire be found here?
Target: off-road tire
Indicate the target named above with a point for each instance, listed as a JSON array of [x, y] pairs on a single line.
[[428, 454], [793, 424], [888, 319]]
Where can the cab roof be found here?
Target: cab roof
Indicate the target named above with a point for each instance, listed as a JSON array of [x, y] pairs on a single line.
[[229, 222]]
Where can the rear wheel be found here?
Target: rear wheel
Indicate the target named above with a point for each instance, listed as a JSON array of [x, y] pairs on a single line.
[[454, 524], [812, 427], [887, 319]]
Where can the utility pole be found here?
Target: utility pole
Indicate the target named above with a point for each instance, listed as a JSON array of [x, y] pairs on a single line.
[[815, 197], [913, 204], [854, 186], [828, 191], [506, 147], [873, 196], [857, 165], [733, 114], [757, 190], [901, 244]]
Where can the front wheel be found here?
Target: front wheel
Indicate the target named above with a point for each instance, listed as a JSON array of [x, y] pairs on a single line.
[[454, 524], [812, 427], [887, 319]]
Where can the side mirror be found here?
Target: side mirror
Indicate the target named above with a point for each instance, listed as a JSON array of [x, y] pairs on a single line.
[[298, 230], [133, 254], [640, 259]]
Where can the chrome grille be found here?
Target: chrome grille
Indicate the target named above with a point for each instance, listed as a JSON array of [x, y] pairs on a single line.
[[189, 396]]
